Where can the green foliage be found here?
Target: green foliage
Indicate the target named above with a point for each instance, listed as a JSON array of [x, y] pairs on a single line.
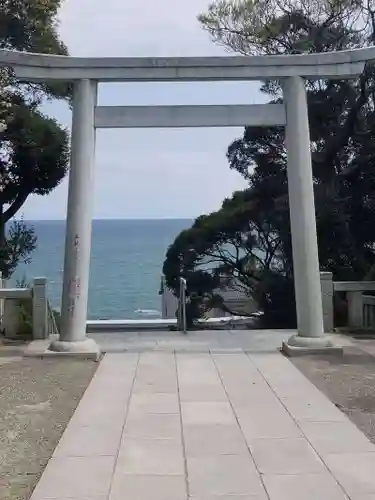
[[274, 27], [235, 243], [37, 153], [32, 26], [249, 238], [19, 245], [34, 149]]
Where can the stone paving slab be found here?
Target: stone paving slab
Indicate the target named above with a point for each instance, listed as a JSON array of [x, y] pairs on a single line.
[[207, 426]]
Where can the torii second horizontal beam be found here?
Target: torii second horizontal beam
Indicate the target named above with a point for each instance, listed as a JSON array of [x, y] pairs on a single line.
[[190, 116]]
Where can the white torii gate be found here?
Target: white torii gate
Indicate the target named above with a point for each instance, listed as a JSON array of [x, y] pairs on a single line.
[[86, 73]]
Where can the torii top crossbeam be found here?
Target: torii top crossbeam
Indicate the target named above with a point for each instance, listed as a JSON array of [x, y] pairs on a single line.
[[34, 67]]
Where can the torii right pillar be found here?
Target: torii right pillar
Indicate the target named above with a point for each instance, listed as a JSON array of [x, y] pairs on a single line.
[[310, 337]]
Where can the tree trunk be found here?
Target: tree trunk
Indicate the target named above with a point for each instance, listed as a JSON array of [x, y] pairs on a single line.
[[13, 208]]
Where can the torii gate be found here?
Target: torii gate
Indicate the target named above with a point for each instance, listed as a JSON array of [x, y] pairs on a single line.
[[86, 73]]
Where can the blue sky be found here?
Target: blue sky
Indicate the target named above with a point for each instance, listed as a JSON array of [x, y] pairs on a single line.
[[152, 172]]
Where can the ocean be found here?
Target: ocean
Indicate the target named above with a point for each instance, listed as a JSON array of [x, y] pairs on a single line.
[[126, 263]]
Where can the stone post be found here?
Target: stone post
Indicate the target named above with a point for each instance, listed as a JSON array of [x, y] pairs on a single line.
[[40, 309], [303, 223], [326, 282], [78, 225], [355, 309]]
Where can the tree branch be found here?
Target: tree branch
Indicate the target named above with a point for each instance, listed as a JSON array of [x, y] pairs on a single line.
[[15, 206], [343, 135]]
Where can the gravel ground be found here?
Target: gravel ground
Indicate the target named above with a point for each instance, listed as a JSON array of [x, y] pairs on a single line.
[[348, 381], [37, 399]]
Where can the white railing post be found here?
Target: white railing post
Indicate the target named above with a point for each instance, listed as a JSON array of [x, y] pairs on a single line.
[[40, 308], [182, 320], [326, 281]]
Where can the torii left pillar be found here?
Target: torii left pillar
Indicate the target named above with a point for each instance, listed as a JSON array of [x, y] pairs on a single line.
[[74, 302]]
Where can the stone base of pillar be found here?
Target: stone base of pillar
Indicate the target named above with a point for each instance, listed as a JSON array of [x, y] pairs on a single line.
[[84, 348], [299, 346]]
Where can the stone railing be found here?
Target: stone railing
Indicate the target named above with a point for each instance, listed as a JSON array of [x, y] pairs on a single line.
[[29, 304], [361, 307]]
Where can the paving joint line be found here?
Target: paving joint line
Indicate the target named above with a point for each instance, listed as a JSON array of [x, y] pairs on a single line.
[[240, 427], [123, 426], [187, 486], [295, 420]]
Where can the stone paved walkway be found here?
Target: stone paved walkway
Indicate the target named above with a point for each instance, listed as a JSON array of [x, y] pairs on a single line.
[[207, 426]]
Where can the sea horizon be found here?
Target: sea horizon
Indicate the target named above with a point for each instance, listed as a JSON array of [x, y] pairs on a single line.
[[127, 256]]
